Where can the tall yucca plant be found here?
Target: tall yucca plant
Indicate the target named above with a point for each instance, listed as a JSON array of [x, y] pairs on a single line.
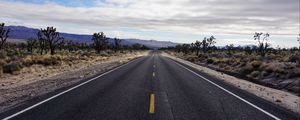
[[100, 41], [3, 35]]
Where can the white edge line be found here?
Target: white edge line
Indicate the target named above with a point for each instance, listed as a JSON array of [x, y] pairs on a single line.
[[59, 94], [240, 98]]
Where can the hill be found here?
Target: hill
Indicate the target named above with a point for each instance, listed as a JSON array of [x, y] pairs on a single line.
[[21, 33]]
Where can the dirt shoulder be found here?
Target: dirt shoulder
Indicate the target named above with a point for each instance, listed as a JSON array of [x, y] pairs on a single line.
[[282, 98], [38, 80]]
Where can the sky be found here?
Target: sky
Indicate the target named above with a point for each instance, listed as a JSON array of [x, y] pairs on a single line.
[[181, 21]]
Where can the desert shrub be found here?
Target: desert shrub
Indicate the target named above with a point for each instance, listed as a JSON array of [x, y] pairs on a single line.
[[3, 55], [12, 67], [246, 69], [192, 58], [27, 61], [294, 58], [2, 62], [47, 60], [297, 72], [209, 61], [256, 63], [50, 61], [269, 69], [88, 54], [58, 57], [265, 73], [105, 54], [1, 70], [254, 74]]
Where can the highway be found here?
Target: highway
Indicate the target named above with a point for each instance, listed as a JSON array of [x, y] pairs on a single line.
[[152, 87]]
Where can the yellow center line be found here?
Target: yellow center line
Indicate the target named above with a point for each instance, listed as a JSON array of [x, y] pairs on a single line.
[[151, 107]]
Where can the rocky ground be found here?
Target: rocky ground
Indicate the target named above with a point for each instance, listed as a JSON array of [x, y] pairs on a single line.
[[38, 80], [282, 98]]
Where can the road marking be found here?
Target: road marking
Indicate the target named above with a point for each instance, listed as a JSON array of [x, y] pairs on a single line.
[[154, 66], [167, 104], [240, 98], [151, 106], [153, 74], [59, 94]]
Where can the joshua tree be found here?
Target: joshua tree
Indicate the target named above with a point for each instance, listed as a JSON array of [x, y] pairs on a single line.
[[204, 45], [185, 48], [262, 43], [100, 41], [31, 44], [117, 44], [211, 41], [61, 44], [229, 48], [198, 47], [178, 48], [3, 35], [193, 47], [51, 37], [248, 50], [42, 42], [70, 45], [208, 43]]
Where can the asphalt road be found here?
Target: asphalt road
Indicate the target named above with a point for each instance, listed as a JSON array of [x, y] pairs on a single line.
[[149, 88]]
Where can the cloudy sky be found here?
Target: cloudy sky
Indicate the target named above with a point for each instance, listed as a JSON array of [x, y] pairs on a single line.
[[182, 21]]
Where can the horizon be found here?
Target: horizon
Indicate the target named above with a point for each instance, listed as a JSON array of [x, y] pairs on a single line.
[[144, 21]]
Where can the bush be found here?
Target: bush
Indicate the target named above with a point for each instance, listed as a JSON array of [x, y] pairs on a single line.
[[27, 61], [294, 58], [297, 71], [104, 54], [256, 63], [1, 70], [3, 55], [255, 74], [50, 61], [246, 69], [210, 61], [12, 67], [2, 62], [192, 59]]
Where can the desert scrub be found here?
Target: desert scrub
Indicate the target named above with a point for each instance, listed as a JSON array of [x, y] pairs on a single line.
[[256, 64], [254, 74], [50, 61], [1, 70], [47, 60], [192, 58], [210, 61], [12, 67], [246, 69], [293, 58], [27, 61]]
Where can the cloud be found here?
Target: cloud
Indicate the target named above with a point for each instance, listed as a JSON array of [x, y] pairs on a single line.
[[197, 17]]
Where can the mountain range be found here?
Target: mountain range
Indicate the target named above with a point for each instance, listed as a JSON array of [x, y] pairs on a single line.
[[21, 33]]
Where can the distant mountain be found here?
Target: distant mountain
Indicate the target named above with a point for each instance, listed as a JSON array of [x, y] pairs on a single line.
[[151, 43], [19, 33]]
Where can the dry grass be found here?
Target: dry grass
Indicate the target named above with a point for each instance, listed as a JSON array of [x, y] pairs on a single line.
[[12, 64]]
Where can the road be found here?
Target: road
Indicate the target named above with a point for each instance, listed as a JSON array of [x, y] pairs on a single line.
[[153, 87]]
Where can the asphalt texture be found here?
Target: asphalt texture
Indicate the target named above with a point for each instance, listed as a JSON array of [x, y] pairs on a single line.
[[125, 94]]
